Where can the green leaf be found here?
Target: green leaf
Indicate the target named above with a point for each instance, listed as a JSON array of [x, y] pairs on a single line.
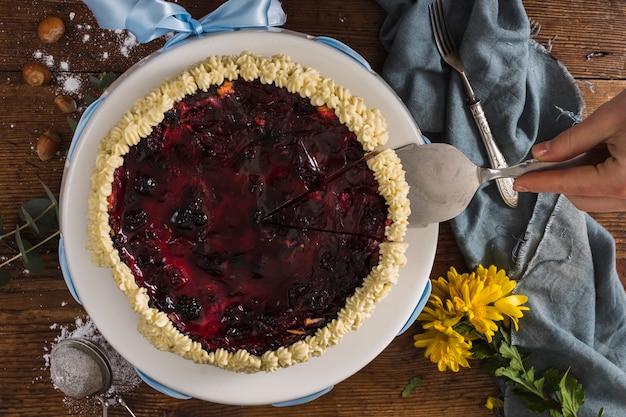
[[572, 395], [52, 198], [72, 123], [553, 378], [21, 246], [411, 386], [95, 81], [480, 351], [5, 277], [34, 263], [103, 81], [25, 215], [492, 364], [39, 215], [31, 260], [89, 99], [107, 79], [534, 403]]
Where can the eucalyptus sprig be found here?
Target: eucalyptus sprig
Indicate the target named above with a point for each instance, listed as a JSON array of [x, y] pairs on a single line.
[[41, 219]]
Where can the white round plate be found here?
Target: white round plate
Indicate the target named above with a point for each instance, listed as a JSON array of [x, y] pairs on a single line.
[[107, 305]]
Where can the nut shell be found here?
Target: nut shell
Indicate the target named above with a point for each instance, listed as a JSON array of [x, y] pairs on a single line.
[[65, 103], [36, 74], [48, 145], [51, 29]]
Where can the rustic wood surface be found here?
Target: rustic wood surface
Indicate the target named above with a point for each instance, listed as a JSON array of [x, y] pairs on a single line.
[[587, 36]]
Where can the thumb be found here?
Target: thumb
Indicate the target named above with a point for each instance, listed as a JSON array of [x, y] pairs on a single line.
[[569, 143], [606, 122]]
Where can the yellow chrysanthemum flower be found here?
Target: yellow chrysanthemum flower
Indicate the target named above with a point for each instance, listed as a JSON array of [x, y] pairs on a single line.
[[512, 307], [482, 298], [444, 346]]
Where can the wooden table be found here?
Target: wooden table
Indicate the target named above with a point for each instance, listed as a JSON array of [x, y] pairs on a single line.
[[588, 37]]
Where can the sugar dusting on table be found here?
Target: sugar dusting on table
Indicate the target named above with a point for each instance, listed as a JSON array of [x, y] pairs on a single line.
[[125, 378], [121, 41]]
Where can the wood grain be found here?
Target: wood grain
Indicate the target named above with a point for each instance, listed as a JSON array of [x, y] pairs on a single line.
[[586, 36]]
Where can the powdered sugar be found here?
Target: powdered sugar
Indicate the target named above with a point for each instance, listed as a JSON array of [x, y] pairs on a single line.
[[120, 42], [125, 377]]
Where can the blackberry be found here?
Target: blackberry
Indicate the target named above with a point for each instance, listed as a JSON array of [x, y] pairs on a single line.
[[144, 184], [135, 220], [189, 308]]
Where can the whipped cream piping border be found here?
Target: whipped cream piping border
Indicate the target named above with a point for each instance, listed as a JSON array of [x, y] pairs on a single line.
[[147, 112]]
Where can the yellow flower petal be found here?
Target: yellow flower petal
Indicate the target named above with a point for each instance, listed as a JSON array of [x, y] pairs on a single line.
[[445, 347], [493, 403]]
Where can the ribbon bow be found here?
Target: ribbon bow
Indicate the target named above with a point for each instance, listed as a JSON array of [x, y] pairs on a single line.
[[151, 19]]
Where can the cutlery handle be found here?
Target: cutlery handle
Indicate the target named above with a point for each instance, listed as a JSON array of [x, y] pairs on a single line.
[[496, 159], [534, 165]]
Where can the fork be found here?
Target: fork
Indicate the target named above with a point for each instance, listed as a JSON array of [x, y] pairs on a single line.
[[448, 51]]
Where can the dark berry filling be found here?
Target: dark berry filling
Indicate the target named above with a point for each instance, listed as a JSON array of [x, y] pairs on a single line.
[[190, 216]]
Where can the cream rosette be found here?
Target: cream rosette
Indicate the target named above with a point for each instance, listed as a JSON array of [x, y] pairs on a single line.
[[370, 129]]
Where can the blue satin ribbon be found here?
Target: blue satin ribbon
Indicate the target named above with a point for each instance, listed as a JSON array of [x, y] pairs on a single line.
[[151, 19]]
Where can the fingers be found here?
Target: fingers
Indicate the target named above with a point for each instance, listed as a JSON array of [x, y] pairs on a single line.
[[570, 143], [592, 194], [600, 187], [605, 179], [606, 124]]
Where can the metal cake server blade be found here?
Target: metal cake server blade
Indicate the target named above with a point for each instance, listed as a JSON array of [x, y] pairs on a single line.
[[443, 180]]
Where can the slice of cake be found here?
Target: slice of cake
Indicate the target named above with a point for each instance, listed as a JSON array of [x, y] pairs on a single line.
[[244, 215]]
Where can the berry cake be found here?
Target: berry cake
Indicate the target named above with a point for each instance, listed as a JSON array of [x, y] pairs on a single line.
[[248, 212]]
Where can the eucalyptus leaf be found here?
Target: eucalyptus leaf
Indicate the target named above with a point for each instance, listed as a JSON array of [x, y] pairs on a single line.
[[95, 81], [52, 198], [21, 245], [34, 263], [103, 81], [5, 277], [107, 79], [30, 258], [40, 215], [25, 215], [73, 124], [89, 99]]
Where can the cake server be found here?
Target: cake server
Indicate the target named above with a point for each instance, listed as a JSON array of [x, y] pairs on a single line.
[[443, 180], [448, 51]]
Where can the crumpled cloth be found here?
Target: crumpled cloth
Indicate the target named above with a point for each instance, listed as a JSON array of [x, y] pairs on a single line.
[[563, 260]]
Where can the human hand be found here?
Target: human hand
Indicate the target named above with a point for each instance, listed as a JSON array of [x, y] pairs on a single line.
[[597, 188]]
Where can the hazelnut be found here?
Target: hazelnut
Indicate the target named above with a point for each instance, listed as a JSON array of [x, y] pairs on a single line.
[[36, 74], [51, 29], [48, 145], [66, 103]]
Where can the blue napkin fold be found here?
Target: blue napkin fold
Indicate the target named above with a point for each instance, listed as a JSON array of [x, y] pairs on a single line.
[[563, 260]]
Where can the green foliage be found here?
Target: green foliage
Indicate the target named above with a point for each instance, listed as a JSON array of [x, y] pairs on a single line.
[[103, 81], [40, 216], [552, 391], [411, 386]]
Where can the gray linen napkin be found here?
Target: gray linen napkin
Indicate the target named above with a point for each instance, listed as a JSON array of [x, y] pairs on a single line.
[[563, 260]]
